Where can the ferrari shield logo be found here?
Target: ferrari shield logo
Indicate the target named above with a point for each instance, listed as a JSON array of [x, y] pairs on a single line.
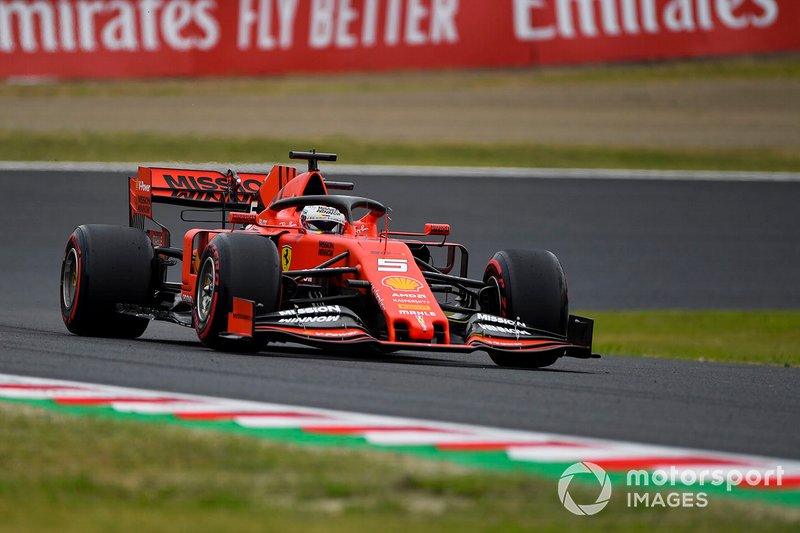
[[286, 257]]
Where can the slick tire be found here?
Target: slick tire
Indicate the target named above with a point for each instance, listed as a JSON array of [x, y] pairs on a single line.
[[235, 265], [532, 287], [104, 266]]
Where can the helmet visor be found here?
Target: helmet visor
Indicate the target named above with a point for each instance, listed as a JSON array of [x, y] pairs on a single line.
[[325, 226]]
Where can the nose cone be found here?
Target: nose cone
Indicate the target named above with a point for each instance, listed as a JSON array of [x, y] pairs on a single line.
[[414, 315]]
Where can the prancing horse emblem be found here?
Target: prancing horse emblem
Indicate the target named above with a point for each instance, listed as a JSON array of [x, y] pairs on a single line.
[[286, 257]]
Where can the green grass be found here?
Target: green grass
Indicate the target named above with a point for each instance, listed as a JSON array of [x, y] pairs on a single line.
[[751, 68], [91, 474], [31, 146], [731, 336]]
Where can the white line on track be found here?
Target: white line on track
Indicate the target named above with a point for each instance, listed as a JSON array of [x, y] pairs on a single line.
[[416, 171]]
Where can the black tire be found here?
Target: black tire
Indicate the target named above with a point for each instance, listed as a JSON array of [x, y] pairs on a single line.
[[104, 266], [240, 265], [533, 288]]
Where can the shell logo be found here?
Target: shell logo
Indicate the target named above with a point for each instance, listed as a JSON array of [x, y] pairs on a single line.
[[402, 283]]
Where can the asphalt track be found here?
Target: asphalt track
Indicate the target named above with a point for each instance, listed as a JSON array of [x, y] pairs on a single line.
[[624, 244]]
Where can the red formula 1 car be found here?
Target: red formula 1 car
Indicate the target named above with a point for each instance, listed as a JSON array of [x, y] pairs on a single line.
[[293, 263]]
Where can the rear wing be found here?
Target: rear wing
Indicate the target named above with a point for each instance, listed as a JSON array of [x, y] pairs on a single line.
[[209, 189], [194, 188], [200, 188]]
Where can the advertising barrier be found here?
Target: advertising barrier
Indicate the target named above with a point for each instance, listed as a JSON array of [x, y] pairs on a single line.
[[140, 38]]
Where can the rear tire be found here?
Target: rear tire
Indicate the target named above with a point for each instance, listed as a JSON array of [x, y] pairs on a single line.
[[235, 265], [104, 266], [532, 287]]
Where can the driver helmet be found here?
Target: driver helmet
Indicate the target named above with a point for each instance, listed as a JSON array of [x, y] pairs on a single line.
[[322, 219]]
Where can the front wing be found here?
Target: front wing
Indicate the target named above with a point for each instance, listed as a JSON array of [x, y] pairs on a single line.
[[331, 326]]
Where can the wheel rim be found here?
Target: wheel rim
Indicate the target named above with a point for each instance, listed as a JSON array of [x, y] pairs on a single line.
[[497, 304], [206, 285], [69, 279]]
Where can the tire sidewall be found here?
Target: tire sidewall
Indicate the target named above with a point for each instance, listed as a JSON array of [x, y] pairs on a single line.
[[217, 319], [70, 314]]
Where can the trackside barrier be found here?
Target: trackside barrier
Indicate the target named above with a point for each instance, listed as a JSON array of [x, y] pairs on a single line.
[[140, 38]]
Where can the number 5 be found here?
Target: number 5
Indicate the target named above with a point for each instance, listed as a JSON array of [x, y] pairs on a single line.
[[392, 265]]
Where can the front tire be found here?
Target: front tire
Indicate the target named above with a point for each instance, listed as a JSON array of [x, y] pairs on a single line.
[[235, 265], [104, 266], [531, 286]]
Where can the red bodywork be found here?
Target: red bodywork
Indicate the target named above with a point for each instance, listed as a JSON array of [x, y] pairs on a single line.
[[395, 281]]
